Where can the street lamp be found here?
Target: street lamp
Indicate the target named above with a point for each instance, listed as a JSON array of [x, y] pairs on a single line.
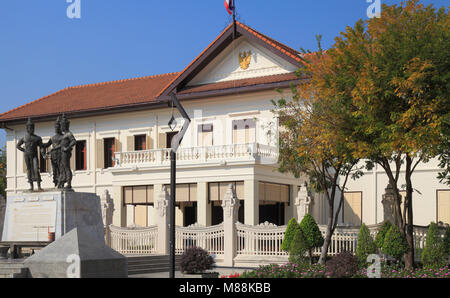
[[176, 141]]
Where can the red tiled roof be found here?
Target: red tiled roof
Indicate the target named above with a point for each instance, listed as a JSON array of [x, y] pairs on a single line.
[[240, 83], [93, 97]]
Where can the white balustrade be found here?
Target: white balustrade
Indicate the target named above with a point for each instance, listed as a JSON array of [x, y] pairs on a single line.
[[196, 154], [134, 241], [209, 238]]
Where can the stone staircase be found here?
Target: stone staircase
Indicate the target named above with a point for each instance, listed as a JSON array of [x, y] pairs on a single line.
[[14, 269], [150, 264]]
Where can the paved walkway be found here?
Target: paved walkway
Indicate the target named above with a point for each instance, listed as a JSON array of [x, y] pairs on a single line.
[[178, 274]]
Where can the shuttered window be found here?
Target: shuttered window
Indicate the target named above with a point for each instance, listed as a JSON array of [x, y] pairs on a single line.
[[352, 211], [217, 191], [443, 206], [138, 195], [185, 192], [271, 192], [244, 131]]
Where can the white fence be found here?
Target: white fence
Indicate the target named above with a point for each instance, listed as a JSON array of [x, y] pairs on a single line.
[[261, 242]]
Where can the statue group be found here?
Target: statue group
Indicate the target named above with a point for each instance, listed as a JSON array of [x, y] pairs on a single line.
[[61, 144]]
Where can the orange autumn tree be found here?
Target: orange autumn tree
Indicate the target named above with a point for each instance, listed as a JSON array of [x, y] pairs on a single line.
[[382, 93], [311, 144]]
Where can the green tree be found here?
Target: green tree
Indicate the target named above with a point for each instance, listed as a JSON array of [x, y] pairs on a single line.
[[298, 248], [289, 235], [366, 245], [395, 243], [434, 254], [382, 231], [312, 234], [447, 240]]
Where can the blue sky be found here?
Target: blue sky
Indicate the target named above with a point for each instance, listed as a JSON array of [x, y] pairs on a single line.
[[43, 51]]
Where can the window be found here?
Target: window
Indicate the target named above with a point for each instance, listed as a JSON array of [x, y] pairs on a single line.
[[80, 156], [140, 142], [109, 149], [205, 135], [443, 206], [244, 131], [352, 211], [216, 193]]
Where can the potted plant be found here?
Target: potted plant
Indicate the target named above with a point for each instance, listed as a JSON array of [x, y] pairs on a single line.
[[196, 261]]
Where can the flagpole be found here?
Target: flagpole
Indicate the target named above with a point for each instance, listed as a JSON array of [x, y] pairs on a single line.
[[234, 19]]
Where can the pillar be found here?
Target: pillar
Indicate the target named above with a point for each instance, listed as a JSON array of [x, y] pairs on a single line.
[[230, 205], [162, 213], [203, 206], [251, 190]]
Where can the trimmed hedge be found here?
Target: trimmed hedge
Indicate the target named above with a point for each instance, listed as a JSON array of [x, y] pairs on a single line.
[[298, 249], [434, 253], [379, 239], [395, 243], [366, 245], [312, 234], [291, 230]]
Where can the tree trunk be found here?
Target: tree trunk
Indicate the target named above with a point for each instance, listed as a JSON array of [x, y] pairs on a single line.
[[328, 235], [409, 224]]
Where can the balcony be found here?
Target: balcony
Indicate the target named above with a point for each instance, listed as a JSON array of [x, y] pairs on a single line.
[[213, 155]]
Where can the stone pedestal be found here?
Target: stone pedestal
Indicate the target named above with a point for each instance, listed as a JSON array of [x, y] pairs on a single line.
[[30, 216]]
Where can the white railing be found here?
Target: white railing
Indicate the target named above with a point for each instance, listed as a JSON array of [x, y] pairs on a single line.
[[208, 238], [134, 241], [262, 240], [251, 151]]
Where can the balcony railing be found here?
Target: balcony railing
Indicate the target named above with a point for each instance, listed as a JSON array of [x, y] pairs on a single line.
[[236, 152]]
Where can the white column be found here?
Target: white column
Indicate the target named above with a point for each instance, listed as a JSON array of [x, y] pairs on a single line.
[[203, 207], [251, 203], [230, 205], [162, 210]]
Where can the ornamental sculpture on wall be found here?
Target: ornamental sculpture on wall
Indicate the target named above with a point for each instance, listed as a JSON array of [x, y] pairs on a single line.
[[245, 59]]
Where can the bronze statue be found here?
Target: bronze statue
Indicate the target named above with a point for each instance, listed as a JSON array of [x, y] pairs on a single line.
[[32, 142], [67, 143], [55, 151]]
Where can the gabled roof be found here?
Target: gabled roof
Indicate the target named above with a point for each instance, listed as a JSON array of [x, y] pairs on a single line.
[[219, 44], [152, 91]]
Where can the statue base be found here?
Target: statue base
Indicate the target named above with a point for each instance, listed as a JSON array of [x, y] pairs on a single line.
[[31, 216]]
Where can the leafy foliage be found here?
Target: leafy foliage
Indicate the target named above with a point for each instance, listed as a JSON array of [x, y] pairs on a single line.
[[366, 246], [298, 248], [447, 240], [434, 254], [312, 234], [342, 265], [395, 243], [196, 260], [291, 231], [382, 231]]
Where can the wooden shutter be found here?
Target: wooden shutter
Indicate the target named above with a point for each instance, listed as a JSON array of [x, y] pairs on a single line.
[[262, 191], [128, 195], [162, 141], [285, 193], [140, 216], [443, 206], [353, 208], [130, 144], [100, 154], [240, 190], [149, 143], [193, 192], [150, 198], [140, 195], [273, 192], [182, 193], [213, 192]]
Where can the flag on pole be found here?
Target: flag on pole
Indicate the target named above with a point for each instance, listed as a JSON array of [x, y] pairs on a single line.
[[229, 6]]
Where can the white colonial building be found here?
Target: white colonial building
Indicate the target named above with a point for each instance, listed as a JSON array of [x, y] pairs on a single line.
[[122, 136]]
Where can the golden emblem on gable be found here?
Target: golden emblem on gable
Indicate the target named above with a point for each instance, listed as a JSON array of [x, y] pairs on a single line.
[[245, 59]]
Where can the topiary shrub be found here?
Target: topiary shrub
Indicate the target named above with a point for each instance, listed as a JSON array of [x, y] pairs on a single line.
[[196, 260], [434, 253], [312, 234], [365, 246], [342, 265], [395, 243], [379, 239], [291, 231], [298, 248]]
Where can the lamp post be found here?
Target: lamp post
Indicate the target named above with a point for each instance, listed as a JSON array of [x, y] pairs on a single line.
[[176, 141]]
